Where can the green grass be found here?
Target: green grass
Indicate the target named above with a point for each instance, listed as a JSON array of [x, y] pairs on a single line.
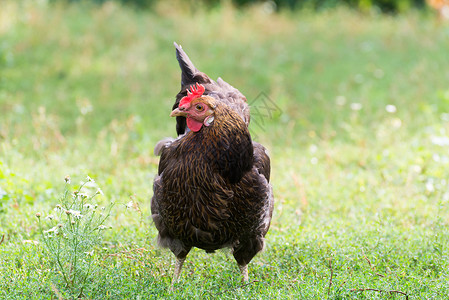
[[362, 196]]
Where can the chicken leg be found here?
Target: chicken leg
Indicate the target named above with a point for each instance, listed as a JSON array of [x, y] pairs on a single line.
[[178, 267], [244, 271]]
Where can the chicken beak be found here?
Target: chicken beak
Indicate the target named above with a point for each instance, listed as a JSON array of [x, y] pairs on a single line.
[[178, 113]]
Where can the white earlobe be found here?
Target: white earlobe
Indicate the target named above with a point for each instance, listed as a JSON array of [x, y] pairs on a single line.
[[208, 120]]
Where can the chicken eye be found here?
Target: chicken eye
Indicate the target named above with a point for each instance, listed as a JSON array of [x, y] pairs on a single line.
[[199, 107]]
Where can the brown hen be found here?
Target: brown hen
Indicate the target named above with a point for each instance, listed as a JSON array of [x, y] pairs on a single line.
[[212, 189]]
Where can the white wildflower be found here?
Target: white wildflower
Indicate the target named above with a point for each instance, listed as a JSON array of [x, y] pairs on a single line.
[[445, 197], [391, 108], [89, 206], [430, 187], [416, 169], [340, 100], [82, 195], [440, 140], [396, 123], [129, 204], [76, 213], [436, 157], [52, 230], [356, 106], [445, 117], [89, 179], [30, 242], [49, 217]]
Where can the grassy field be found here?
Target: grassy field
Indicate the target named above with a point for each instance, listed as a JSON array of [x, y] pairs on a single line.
[[354, 109]]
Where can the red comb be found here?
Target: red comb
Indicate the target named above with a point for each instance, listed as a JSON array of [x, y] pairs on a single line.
[[195, 92]]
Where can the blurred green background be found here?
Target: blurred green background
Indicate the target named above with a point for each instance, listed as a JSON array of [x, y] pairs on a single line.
[[357, 127], [382, 5]]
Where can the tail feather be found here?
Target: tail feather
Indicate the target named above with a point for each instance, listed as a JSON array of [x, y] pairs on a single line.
[[189, 73], [187, 68]]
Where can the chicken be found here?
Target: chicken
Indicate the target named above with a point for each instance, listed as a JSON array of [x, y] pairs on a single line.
[[212, 189]]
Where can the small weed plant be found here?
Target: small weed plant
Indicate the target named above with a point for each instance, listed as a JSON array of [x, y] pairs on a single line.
[[73, 232]]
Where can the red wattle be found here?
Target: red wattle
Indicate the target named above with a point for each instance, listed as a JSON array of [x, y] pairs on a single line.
[[194, 125]]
